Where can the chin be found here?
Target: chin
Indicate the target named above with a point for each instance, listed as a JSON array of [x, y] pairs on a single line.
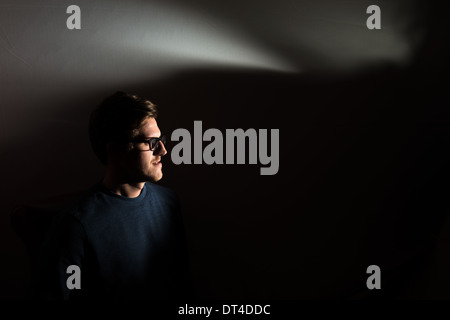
[[155, 178]]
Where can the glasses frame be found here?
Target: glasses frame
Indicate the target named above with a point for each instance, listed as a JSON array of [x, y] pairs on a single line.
[[155, 140]]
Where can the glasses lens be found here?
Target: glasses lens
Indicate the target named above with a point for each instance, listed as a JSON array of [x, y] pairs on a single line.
[[154, 143]]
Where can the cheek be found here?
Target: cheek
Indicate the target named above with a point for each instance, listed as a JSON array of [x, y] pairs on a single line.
[[138, 160], [145, 160]]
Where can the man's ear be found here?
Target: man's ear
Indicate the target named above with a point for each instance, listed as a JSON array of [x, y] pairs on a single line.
[[112, 150], [115, 150]]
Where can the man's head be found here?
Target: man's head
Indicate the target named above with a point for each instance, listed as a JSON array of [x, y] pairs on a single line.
[[118, 130]]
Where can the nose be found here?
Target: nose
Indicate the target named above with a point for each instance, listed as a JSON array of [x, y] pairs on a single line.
[[161, 149]]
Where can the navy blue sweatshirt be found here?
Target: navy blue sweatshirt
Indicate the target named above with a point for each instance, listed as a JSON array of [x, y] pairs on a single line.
[[126, 248]]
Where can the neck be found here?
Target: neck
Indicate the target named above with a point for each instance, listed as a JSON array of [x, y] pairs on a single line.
[[116, 184]]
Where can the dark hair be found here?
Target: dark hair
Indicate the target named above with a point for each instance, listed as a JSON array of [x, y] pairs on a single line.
[[117, 119]]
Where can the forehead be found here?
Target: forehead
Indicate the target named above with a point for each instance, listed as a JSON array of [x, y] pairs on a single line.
[[149, 128]]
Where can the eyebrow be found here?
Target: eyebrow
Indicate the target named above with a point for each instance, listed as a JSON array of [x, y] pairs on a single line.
[[160, 135]]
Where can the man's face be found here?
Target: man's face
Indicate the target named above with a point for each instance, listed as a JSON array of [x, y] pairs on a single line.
[[141, 164]]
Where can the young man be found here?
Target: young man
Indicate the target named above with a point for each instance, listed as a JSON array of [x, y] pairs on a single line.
[[126, 233]]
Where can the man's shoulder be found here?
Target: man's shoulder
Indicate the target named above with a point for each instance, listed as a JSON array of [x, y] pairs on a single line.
[[87, 202], [164, 196], [93, 204], [162, 191]]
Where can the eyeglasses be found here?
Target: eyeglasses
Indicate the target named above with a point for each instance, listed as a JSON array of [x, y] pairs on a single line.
[[153, 143]]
